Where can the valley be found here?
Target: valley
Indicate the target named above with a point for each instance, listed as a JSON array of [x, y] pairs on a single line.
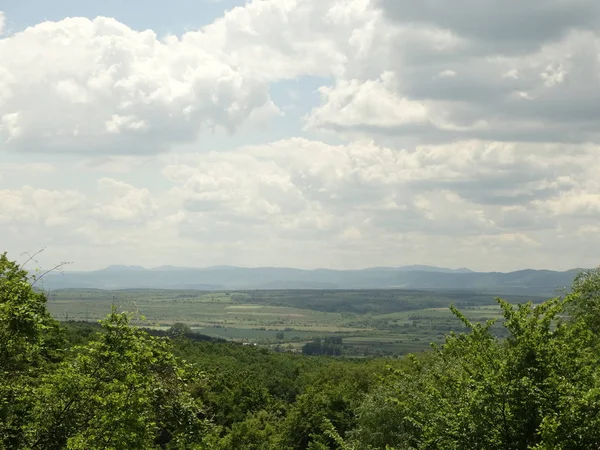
[[370, 322]]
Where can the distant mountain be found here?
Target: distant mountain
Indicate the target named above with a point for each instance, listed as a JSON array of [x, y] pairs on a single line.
[[417, 268], [542, 282], [118, 268]]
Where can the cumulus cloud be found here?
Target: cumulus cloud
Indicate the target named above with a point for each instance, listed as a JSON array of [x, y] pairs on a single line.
[[98, 86], [467, 188], [30, 206], [351, 104], [505, 25], [465, 133], [80, 85], [2, 23], [352, 205], [487, 200], [286, 39], [123, 202], [481, 71], [428, 71]]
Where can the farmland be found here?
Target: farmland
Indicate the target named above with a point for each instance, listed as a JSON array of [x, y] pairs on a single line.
[[380, 322]]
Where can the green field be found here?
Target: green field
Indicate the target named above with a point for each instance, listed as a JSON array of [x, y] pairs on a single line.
[[382, 322]]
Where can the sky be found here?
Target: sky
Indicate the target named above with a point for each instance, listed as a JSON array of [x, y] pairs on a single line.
[[301, 133]]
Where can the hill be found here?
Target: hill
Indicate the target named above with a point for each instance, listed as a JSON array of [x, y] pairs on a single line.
[[544, 282]]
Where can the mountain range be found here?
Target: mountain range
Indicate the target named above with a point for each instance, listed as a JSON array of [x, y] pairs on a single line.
[[528, 281]]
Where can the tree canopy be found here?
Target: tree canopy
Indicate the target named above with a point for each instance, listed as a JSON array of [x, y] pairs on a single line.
[[116, 386]]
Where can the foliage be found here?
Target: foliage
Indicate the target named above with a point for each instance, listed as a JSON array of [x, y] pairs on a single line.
[[123, 390], [30, 342], [27, 331], [538, 389], [331, 345], [534, 385], [586, 299], [179, 329]]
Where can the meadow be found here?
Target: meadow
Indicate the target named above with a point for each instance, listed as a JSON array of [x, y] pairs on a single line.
[[371, 322]]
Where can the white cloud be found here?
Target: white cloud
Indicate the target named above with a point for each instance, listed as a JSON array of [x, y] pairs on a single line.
[[123, 202], [306, 203], [470, 84], [463, 189], [101, 87], [371, 104], [97, 86], [28, 206], [362, 204], [465, 136], [286, 39], [2, 23]]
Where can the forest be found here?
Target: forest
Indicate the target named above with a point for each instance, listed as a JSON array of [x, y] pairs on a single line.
[[116, 385]]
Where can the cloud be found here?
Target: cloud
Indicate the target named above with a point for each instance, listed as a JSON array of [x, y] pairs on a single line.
[[33, 207], [122, 202], [97, 86], [465, 188], [371, 104], [286, 39], [428, 72], [505, 25], [306, 203], [2, 23], [473, 72], [368, 200], [465, 134]]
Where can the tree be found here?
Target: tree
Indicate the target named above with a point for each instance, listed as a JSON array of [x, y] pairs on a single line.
[[179, 329], [30, 342], [331, 346], [585, 295], [123, 390], [538, 389], [26, 328]]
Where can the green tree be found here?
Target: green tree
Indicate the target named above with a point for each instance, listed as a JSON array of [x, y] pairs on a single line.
[[30, 342], [329, 402], [179, 329], [28, 334], [538, 389], [123, 390], [585, 295]]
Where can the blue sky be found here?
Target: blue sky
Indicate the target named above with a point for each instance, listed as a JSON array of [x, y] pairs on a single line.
[[306, 133], [173, 17]]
